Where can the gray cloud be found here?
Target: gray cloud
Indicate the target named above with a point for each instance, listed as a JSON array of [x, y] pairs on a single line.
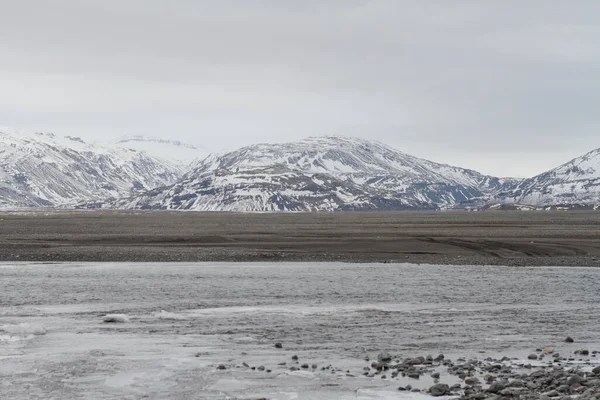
[[505, 87]]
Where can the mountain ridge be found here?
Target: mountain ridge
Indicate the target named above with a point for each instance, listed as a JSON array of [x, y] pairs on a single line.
[[47, 170], [574, 182], [318, 174]]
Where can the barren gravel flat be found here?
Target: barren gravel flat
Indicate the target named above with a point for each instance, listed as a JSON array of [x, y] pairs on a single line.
[[484, 238]]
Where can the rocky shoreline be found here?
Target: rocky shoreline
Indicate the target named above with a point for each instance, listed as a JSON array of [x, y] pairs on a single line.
[[542, 375]]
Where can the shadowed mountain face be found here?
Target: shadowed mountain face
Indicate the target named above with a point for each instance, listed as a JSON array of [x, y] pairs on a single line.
[[44, 170], [318, 174]]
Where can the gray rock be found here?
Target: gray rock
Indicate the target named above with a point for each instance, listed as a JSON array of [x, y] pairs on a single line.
[[533, 357], [221, 367], [497, 387], [414, 375], [278, 346], [562, 389], [441, 389], [472, 381], [596, 370], [435, 375], [517, 383], [573, 379], [511, 392], [384, 357], [537, 374]]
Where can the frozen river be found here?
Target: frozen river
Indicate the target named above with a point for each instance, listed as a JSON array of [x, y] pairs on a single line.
[[184, 320]]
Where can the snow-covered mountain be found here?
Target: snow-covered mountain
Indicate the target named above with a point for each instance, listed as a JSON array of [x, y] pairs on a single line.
[[324, 173], [175, 151], [315, 174], [45, 170], [576, 182]]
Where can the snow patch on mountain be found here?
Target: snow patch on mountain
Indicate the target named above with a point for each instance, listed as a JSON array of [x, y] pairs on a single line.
[[175, 151]]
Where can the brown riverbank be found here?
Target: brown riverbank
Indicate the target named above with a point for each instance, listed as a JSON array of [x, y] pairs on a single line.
[[506, 238]]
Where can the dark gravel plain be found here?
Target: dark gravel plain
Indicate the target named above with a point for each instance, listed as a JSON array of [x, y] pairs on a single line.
[[480, 238]]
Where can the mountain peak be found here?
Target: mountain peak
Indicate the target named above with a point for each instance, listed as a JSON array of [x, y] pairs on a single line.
[[47, 170], [574, 182], [318, 173]]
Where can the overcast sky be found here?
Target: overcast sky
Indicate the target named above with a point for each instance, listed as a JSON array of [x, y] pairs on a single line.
[[507, 87]]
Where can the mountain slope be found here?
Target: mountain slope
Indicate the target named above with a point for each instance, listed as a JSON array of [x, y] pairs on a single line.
[[575, 182], [326, 173], [44, 170]]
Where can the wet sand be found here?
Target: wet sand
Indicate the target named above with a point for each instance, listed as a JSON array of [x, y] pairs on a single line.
[[485, 238]]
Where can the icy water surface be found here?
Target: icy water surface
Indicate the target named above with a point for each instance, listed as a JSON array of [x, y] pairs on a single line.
[[184, 320]]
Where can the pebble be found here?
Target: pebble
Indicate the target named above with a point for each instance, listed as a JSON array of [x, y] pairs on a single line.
[[384, 357], [507, 380], [573, 379], [441, 389], [497, 387]]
